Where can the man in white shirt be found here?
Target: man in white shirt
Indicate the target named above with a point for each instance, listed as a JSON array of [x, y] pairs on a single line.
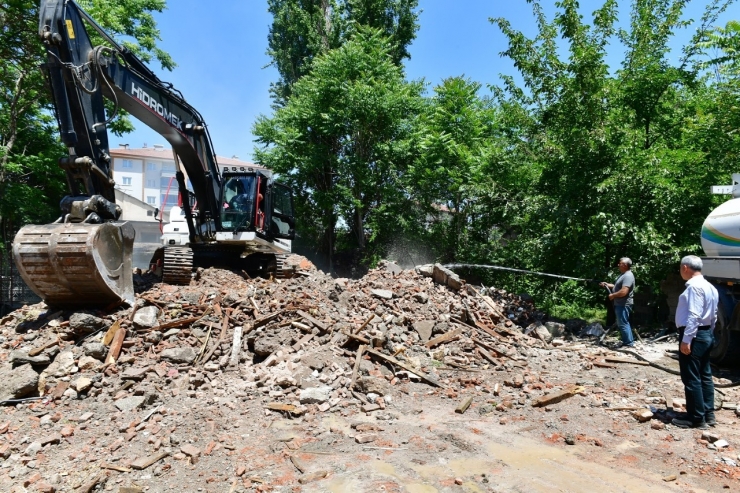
[[696, 315]]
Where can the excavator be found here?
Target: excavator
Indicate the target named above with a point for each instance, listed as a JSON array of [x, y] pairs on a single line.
[[237, 217]]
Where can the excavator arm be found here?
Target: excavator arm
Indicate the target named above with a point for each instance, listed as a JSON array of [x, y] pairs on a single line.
[[84, 258]]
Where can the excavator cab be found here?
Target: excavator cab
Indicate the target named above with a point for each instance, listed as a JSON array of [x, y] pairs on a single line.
[[251, 201], [238, 202]]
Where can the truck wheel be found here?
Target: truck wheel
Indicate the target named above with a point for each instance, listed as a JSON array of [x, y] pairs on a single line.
[[726, 351]]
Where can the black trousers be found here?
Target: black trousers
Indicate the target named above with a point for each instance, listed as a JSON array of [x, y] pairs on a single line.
[[696, 375]]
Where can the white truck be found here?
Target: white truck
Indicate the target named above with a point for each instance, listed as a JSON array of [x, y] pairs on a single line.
[[720, 239]]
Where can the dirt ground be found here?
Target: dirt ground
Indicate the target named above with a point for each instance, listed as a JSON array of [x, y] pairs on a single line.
[[238, 385]]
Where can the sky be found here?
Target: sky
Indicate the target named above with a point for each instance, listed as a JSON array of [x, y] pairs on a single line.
[[223, 70]]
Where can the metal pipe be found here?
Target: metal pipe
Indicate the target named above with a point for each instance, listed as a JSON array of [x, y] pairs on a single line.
[[520, 271]]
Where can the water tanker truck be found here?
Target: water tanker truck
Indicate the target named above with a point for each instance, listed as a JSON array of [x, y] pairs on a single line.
[[720, 239]]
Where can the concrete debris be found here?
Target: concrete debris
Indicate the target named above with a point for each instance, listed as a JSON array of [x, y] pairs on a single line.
[[146, 318], [259, 371], [719, 445], [642, 415], [19, 382]]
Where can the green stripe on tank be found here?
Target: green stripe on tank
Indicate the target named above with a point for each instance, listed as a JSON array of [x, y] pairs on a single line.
[[711, 234]]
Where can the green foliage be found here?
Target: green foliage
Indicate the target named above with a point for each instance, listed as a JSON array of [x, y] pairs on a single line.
[[623, 172], [304, 29], [579, 165], [342, 142]]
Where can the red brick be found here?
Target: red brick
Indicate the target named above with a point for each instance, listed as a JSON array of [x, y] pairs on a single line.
[[34, 478], [190, 450], [44, 487]]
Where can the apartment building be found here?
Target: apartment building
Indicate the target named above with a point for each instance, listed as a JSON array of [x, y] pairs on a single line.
[[148, 173]]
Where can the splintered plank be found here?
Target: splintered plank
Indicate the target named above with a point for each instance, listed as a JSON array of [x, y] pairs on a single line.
[[601, 364], [279, 406], [556, 397], [611, 359], [356, 368], [145, 462], [486, 355], [394, 361], [39, 350], [115, 346], [264, 320], [111, 333], [321, 325], [446, 337], [224, 326]]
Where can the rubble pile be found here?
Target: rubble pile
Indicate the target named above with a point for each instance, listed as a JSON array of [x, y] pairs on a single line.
[[308, 340], [191, 378]]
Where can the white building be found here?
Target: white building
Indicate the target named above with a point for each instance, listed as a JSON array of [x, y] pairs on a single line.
[[148, 174]]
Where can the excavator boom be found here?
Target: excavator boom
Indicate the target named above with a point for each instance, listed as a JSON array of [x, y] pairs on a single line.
[[85, 257]]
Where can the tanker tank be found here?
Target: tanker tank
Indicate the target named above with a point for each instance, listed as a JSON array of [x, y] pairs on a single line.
[[720, 233]]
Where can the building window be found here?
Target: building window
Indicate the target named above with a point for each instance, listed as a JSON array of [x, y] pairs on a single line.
[[167, 182], [127, 163], [168, 200], [151, 166], [168, 167], [151, 183], [126, 180], [151, 199]]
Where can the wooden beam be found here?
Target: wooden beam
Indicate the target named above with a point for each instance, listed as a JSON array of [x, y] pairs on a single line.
[[446, 337], [464, 405], [145, 462], [406, 367], [115, 346], [321, 325], [610, 359], [556, 397], [356, 368]]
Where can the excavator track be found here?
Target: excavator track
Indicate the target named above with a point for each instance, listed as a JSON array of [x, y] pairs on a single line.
[[178, 265], [280, 271], [77, 264]]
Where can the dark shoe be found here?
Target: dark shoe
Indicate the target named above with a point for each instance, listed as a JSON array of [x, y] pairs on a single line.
[[623, 345], [687, 423], [710, 420]]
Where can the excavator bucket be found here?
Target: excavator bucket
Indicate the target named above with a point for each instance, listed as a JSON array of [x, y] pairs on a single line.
[[76, 264]]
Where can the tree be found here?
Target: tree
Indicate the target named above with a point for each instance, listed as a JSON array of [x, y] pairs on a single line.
[[342, 141], [456, 140], [622, 153], [304, 29], [31, 184]]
